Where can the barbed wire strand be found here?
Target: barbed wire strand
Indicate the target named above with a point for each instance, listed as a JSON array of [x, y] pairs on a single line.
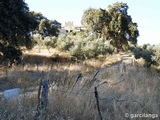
[[107, 98]]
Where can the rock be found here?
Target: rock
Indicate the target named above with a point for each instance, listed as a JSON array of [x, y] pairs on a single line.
[[11, 93]]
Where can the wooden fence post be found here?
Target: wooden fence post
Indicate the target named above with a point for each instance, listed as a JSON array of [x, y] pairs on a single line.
[[124, 68], [95, 76], [42, 98], [79, 76], [97, 101], [43, 94], [39, 93]]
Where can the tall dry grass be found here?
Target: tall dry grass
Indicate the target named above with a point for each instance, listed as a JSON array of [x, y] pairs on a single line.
[[137, 83], [29, 72]]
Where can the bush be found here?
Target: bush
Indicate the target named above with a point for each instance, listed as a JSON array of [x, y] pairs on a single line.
[[50, 42], [156, 51], [76, 50], [64, 42], [97, 47], [76, 45], [37, 39], [147, 53], [86, 48]]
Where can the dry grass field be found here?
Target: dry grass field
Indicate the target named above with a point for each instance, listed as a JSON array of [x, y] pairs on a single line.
[[34, 63], [71, 100]]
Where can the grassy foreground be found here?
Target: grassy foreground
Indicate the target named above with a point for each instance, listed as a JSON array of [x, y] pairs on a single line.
[[137, 83]]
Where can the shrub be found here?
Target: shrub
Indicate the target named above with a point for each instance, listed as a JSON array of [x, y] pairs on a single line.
[[156, 51], [50, 42], [87, 48], [37, 39], [76, 50], [146, 53], [97, 47], [64, 42], [78, 46]]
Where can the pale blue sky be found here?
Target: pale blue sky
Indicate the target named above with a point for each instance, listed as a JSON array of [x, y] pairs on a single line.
[[144, 12]]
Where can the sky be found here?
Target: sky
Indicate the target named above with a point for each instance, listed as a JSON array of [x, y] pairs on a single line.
[[146, 13]]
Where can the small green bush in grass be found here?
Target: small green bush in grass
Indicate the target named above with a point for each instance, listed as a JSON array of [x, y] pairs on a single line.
[[151, 54], [64, 42], [84, 48], [50, 42]]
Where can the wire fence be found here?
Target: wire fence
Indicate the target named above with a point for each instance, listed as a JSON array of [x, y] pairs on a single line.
[[107, 98], [97, 97], [43, 92]]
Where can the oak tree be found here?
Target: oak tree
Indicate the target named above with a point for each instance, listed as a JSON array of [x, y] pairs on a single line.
[[45, 26], [16, 25], [114, 25]]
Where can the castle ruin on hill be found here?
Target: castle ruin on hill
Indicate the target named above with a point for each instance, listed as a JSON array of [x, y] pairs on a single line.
[[70, 27]]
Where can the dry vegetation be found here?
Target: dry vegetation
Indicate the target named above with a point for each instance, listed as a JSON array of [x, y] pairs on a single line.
[[29, 72], [138, 83]]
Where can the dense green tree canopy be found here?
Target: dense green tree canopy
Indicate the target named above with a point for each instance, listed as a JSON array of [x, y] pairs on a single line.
[[49, 27], [113, 24], [16, 25], [46, 27]]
